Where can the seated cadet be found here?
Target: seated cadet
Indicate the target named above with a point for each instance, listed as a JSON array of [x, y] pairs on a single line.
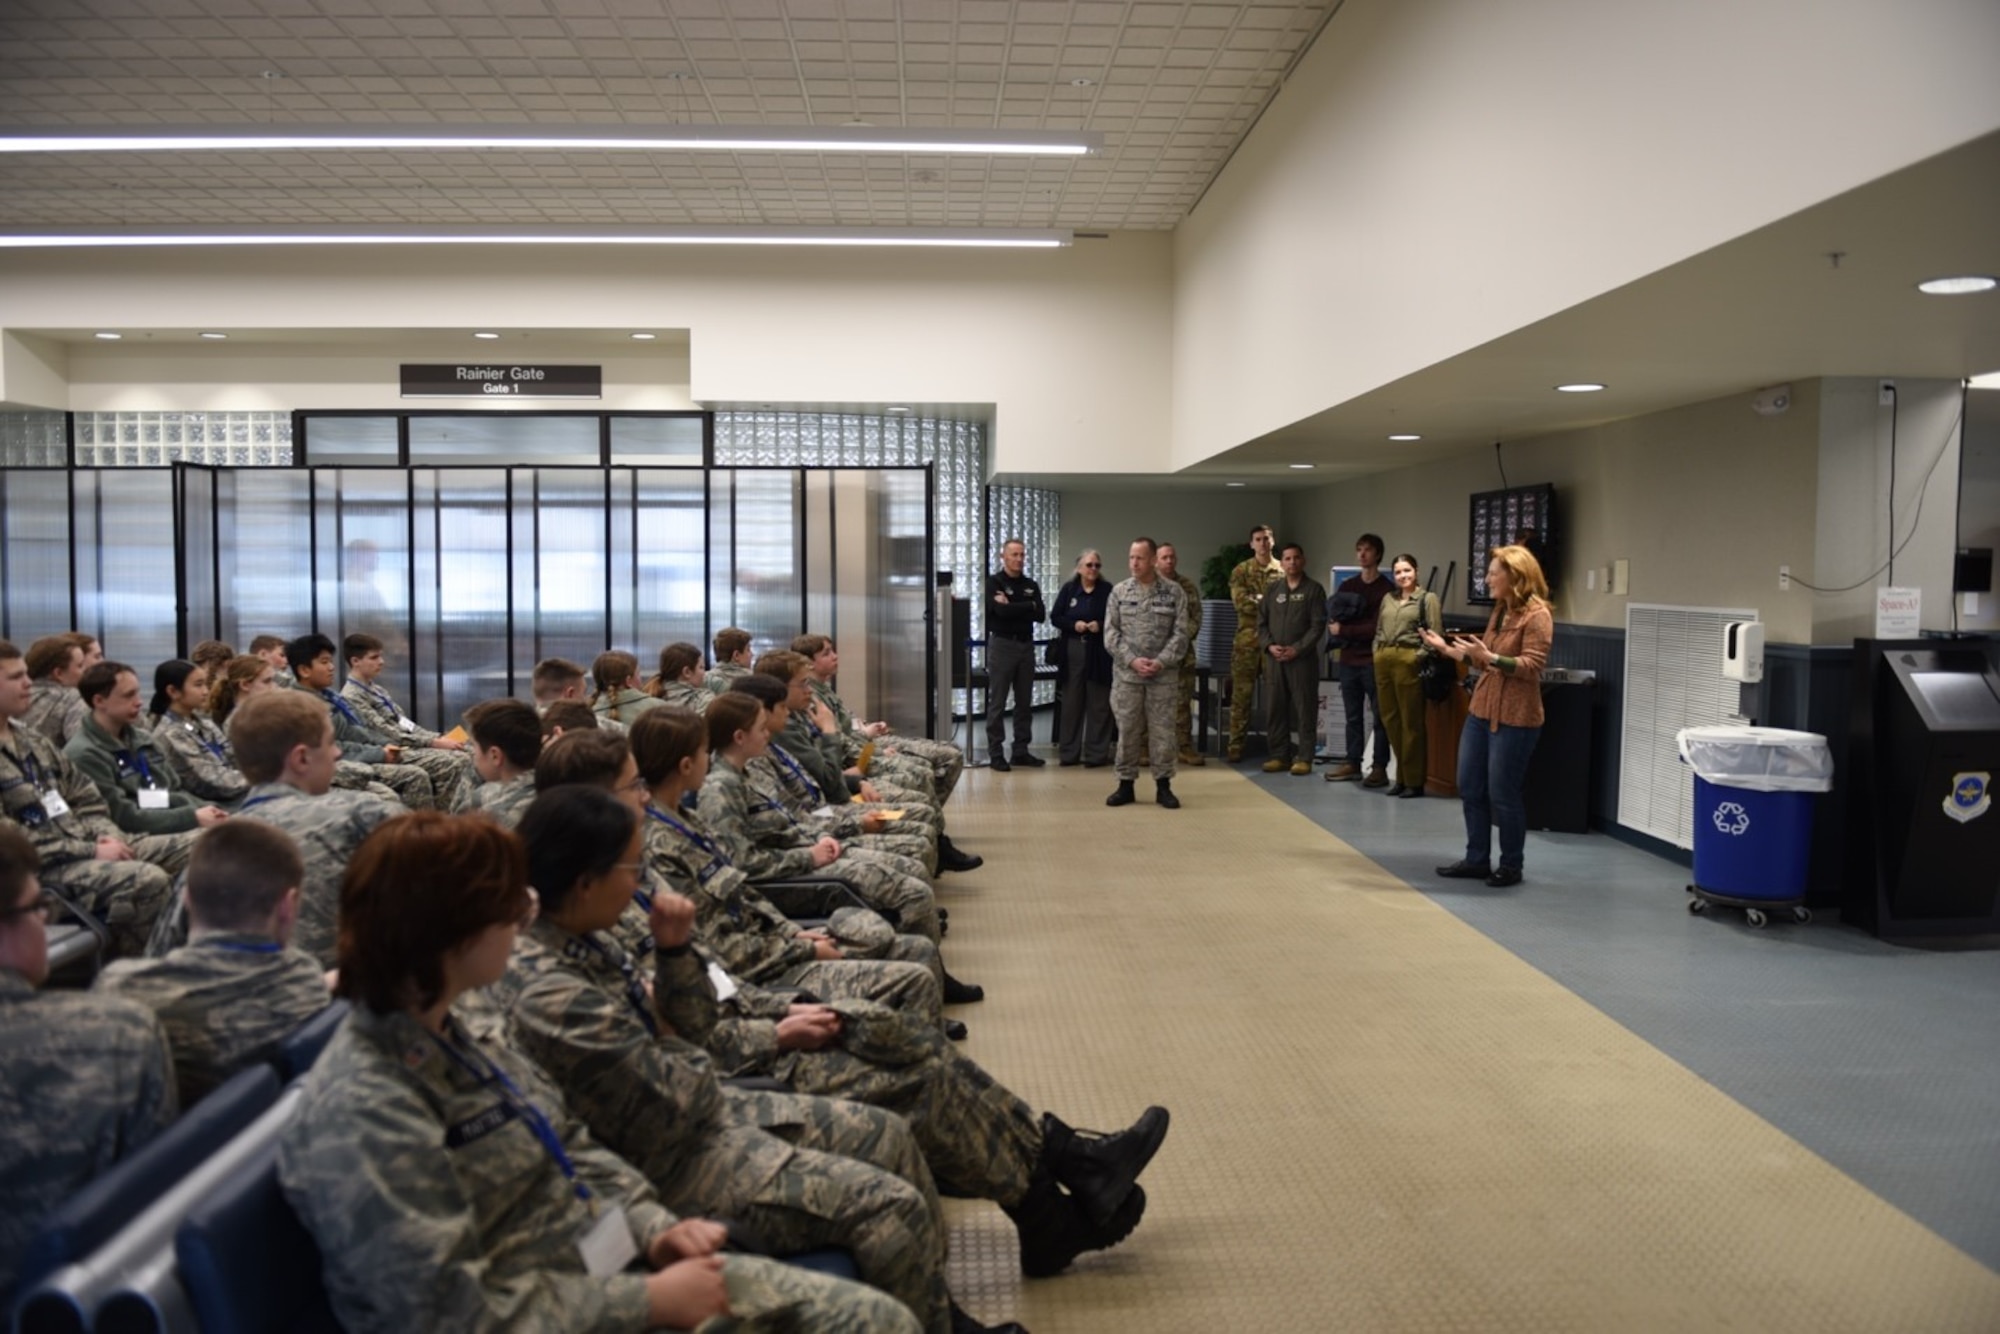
[[131, 770], [212, 655], [88, 1079], [311, 657], [749, 934], [617, 697], [284, 741], [767, 846], [783, 785], [813, 738], [946, 761], [444, 1180], [680, 678], [196, 745], [506, 738], [271, 649], [573, 715], [579, 1009], [230, 995], [58, 662], [732, 659], [441, 757], [82, 852]]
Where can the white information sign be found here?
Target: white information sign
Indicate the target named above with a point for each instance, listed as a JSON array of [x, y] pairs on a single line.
[[1897, 611]]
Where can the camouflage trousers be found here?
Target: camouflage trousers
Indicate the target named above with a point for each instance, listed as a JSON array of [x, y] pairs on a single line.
[[450, 772], [128, 897], [1183, 721], [913, 853], [406, 782], [1246, 668], [945, 761], [1145, 708], [909, 987], [887, 887], [904, 778], [772, 1297], [864, 934], [349, 776], [979, 1138], [815, 1199]]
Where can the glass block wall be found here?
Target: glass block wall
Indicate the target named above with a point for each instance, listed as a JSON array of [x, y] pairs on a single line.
[[155, 439], [32, 440], [1034, 516]]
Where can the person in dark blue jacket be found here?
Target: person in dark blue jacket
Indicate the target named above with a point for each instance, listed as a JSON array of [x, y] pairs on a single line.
[[1086, 704]]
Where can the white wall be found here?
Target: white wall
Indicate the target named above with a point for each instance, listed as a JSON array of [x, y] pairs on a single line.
[[1071, 346], [1197, 522], [1703, 502], [1437, 173]]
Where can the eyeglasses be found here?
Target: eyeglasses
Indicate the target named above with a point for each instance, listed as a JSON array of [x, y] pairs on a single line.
[[1092, 565], [45, 904], [636, 784]]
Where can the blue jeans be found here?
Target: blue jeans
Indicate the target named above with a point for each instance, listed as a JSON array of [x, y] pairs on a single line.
[[1492, 769], [1358, 684]]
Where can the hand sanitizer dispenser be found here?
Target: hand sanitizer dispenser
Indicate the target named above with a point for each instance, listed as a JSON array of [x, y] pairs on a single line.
[[1743, 652]]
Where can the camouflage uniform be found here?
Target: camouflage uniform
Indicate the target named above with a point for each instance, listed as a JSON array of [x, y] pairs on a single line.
[[328, 827], [1184, 707], [122, 772], [695, 699], [622, 708], [450, 771], [55, 711], [580, 1012], [1247, 583], [199, 751], [756, 941], [766, 844], [1145, 621], [84, 1081], [505, 802], [824, 755], [351, 777], [436, 1207], [127, 896], [226, 1001], [944, 761], [360, 746], [723, 675], [782, 783], [979, 1138]]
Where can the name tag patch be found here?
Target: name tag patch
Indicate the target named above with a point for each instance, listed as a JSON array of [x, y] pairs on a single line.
[[475, 1128]]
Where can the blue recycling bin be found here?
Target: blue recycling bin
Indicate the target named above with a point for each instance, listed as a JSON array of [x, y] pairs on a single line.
[[1753, 809]]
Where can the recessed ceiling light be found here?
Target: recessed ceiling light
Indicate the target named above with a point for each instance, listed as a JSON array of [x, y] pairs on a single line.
[[1581, 387], [216, 336], [644, 337], [1962, 285], [1406, 437], [1300, 466], [486, 335], [898, 409], [1235, 483], [1083, 83], [110, 337]]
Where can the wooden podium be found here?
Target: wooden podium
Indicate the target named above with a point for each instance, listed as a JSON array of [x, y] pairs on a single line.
[[1442, 724]]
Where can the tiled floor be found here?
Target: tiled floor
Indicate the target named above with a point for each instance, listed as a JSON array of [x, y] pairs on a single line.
[[1397, 1110]]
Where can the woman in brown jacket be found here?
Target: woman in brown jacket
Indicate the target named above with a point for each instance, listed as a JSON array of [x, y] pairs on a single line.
[[1506, 718]]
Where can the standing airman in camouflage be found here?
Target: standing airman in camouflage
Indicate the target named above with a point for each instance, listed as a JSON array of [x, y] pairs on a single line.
[[1145, 632], [1247, 585], [82, 852], [85, 1080], [284, 740], [1169, 565], [230, 995]]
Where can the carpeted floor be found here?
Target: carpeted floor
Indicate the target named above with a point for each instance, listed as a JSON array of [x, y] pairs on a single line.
[[1383, 1119]]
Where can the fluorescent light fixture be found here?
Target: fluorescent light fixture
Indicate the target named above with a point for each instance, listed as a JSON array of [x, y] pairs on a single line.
[[1406, 437], [1581, 387], [217, 337], [899, 410], [644, 337], [1990, 380], [1302, 467], [1236, 483], [1961, 285], [542, 138], [110, 337], [890, 237]]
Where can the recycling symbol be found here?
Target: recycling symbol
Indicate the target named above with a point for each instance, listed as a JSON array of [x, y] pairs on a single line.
[[1731, 818]]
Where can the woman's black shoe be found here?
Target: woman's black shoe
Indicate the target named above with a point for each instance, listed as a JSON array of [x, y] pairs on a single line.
[[1464, 870], [1411, 792], [1395, 790], [1505, 876]]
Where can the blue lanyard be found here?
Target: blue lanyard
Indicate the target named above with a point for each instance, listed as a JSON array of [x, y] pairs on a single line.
[[136, 759], [212, 747], [792, 767], [30, 767], [530, 1115], [635, 990], [384, 698], [704, 844], [258, 801], [244, 946], [346, 709]]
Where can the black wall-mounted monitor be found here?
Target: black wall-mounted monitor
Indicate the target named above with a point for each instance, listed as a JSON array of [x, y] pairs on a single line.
[[1523, 515]]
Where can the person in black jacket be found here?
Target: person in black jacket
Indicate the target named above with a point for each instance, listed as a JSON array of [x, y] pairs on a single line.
[[1086, 707], [1013, 610]]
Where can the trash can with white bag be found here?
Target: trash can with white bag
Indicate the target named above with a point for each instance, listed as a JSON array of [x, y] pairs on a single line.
[[1753, 800]]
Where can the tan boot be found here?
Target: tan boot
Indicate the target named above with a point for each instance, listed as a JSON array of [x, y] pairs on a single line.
[[1275, 766], [1301, 768], [1192, 759]]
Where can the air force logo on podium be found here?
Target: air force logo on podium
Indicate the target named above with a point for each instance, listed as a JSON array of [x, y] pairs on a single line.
[[1970, 796]]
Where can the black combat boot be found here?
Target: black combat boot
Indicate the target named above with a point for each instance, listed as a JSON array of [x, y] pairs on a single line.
[[961, 993], [1101, 1170], [1054, 1230], [963, 1322], [951, 859], [1124, 796], [1163, 792]]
